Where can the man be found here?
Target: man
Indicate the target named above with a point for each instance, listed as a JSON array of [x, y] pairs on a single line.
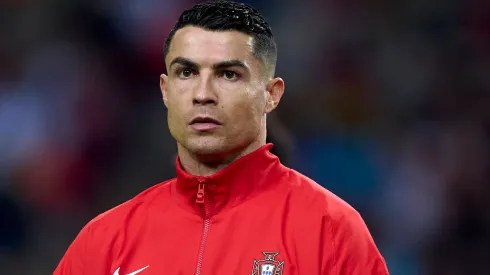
[[233, 207]]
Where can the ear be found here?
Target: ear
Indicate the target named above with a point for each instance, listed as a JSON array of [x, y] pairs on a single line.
[[163, 88], [275, 90]]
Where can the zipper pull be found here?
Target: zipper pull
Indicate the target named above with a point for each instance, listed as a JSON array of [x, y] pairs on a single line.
[[200, 192]]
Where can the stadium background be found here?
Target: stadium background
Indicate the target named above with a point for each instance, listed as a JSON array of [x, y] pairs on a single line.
[[386, 105]]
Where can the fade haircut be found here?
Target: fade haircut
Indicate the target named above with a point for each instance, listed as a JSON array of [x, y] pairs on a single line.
[[224, 15]]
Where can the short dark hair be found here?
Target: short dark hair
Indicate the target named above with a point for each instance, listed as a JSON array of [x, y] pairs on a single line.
[[224, 15]]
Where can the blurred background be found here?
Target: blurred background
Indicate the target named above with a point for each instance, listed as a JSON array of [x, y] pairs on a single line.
[[386, 105]]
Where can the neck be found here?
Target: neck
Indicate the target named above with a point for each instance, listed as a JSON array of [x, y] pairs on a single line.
[[206, 165]]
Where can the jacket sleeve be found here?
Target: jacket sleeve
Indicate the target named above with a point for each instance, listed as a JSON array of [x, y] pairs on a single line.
[[73, 262], [355, 250]]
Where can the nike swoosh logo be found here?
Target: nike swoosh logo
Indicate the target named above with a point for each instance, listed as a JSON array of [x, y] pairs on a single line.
[[133, 273]]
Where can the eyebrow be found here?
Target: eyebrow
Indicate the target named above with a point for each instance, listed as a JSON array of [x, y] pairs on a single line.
[[185, 62], [218, 66], [230, 63]]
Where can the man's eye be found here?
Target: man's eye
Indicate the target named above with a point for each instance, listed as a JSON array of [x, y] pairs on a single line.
[[230, 75], [185, 73]]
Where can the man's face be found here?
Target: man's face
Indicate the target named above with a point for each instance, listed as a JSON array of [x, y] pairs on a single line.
[[215, 91]]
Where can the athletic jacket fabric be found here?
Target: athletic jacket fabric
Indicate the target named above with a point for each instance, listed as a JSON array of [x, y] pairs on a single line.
[[256, 216]]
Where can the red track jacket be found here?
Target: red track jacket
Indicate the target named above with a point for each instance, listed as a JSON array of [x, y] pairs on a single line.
[[253, 217]]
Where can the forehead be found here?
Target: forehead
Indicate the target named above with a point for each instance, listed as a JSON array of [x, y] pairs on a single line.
[[210, 47]]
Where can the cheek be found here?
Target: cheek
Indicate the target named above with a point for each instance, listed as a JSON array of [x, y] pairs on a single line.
[[245, 112], [172, 119], [183, 86], [175, 116], [175, 109], [226, 86], [176, 121]]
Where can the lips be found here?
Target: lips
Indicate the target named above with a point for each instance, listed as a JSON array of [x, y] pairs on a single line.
[[204, 124], [205, 120]]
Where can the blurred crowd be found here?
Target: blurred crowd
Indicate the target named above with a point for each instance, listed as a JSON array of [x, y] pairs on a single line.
[[386, 105]]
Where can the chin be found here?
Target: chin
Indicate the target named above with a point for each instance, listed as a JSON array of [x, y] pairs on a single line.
[[206, 146]]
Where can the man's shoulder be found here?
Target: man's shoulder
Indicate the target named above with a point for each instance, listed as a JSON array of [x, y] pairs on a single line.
[[119, 214], [310, 196], [321, 217]]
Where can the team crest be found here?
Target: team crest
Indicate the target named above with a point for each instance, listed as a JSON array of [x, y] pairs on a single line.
[[269, 265]]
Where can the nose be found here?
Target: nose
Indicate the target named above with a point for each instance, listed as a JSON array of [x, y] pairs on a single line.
[[205, 93]]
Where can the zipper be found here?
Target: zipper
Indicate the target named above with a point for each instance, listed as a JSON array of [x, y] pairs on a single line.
[[207, 223], [200, 193]]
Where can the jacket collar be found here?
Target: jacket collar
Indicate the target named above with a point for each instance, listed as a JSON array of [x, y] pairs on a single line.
[[239, 181]]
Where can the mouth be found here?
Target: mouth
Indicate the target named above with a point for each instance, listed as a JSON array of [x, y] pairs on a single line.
[[204, 123]]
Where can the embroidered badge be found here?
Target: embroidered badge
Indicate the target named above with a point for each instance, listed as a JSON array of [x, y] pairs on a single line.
[[269, 265]]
